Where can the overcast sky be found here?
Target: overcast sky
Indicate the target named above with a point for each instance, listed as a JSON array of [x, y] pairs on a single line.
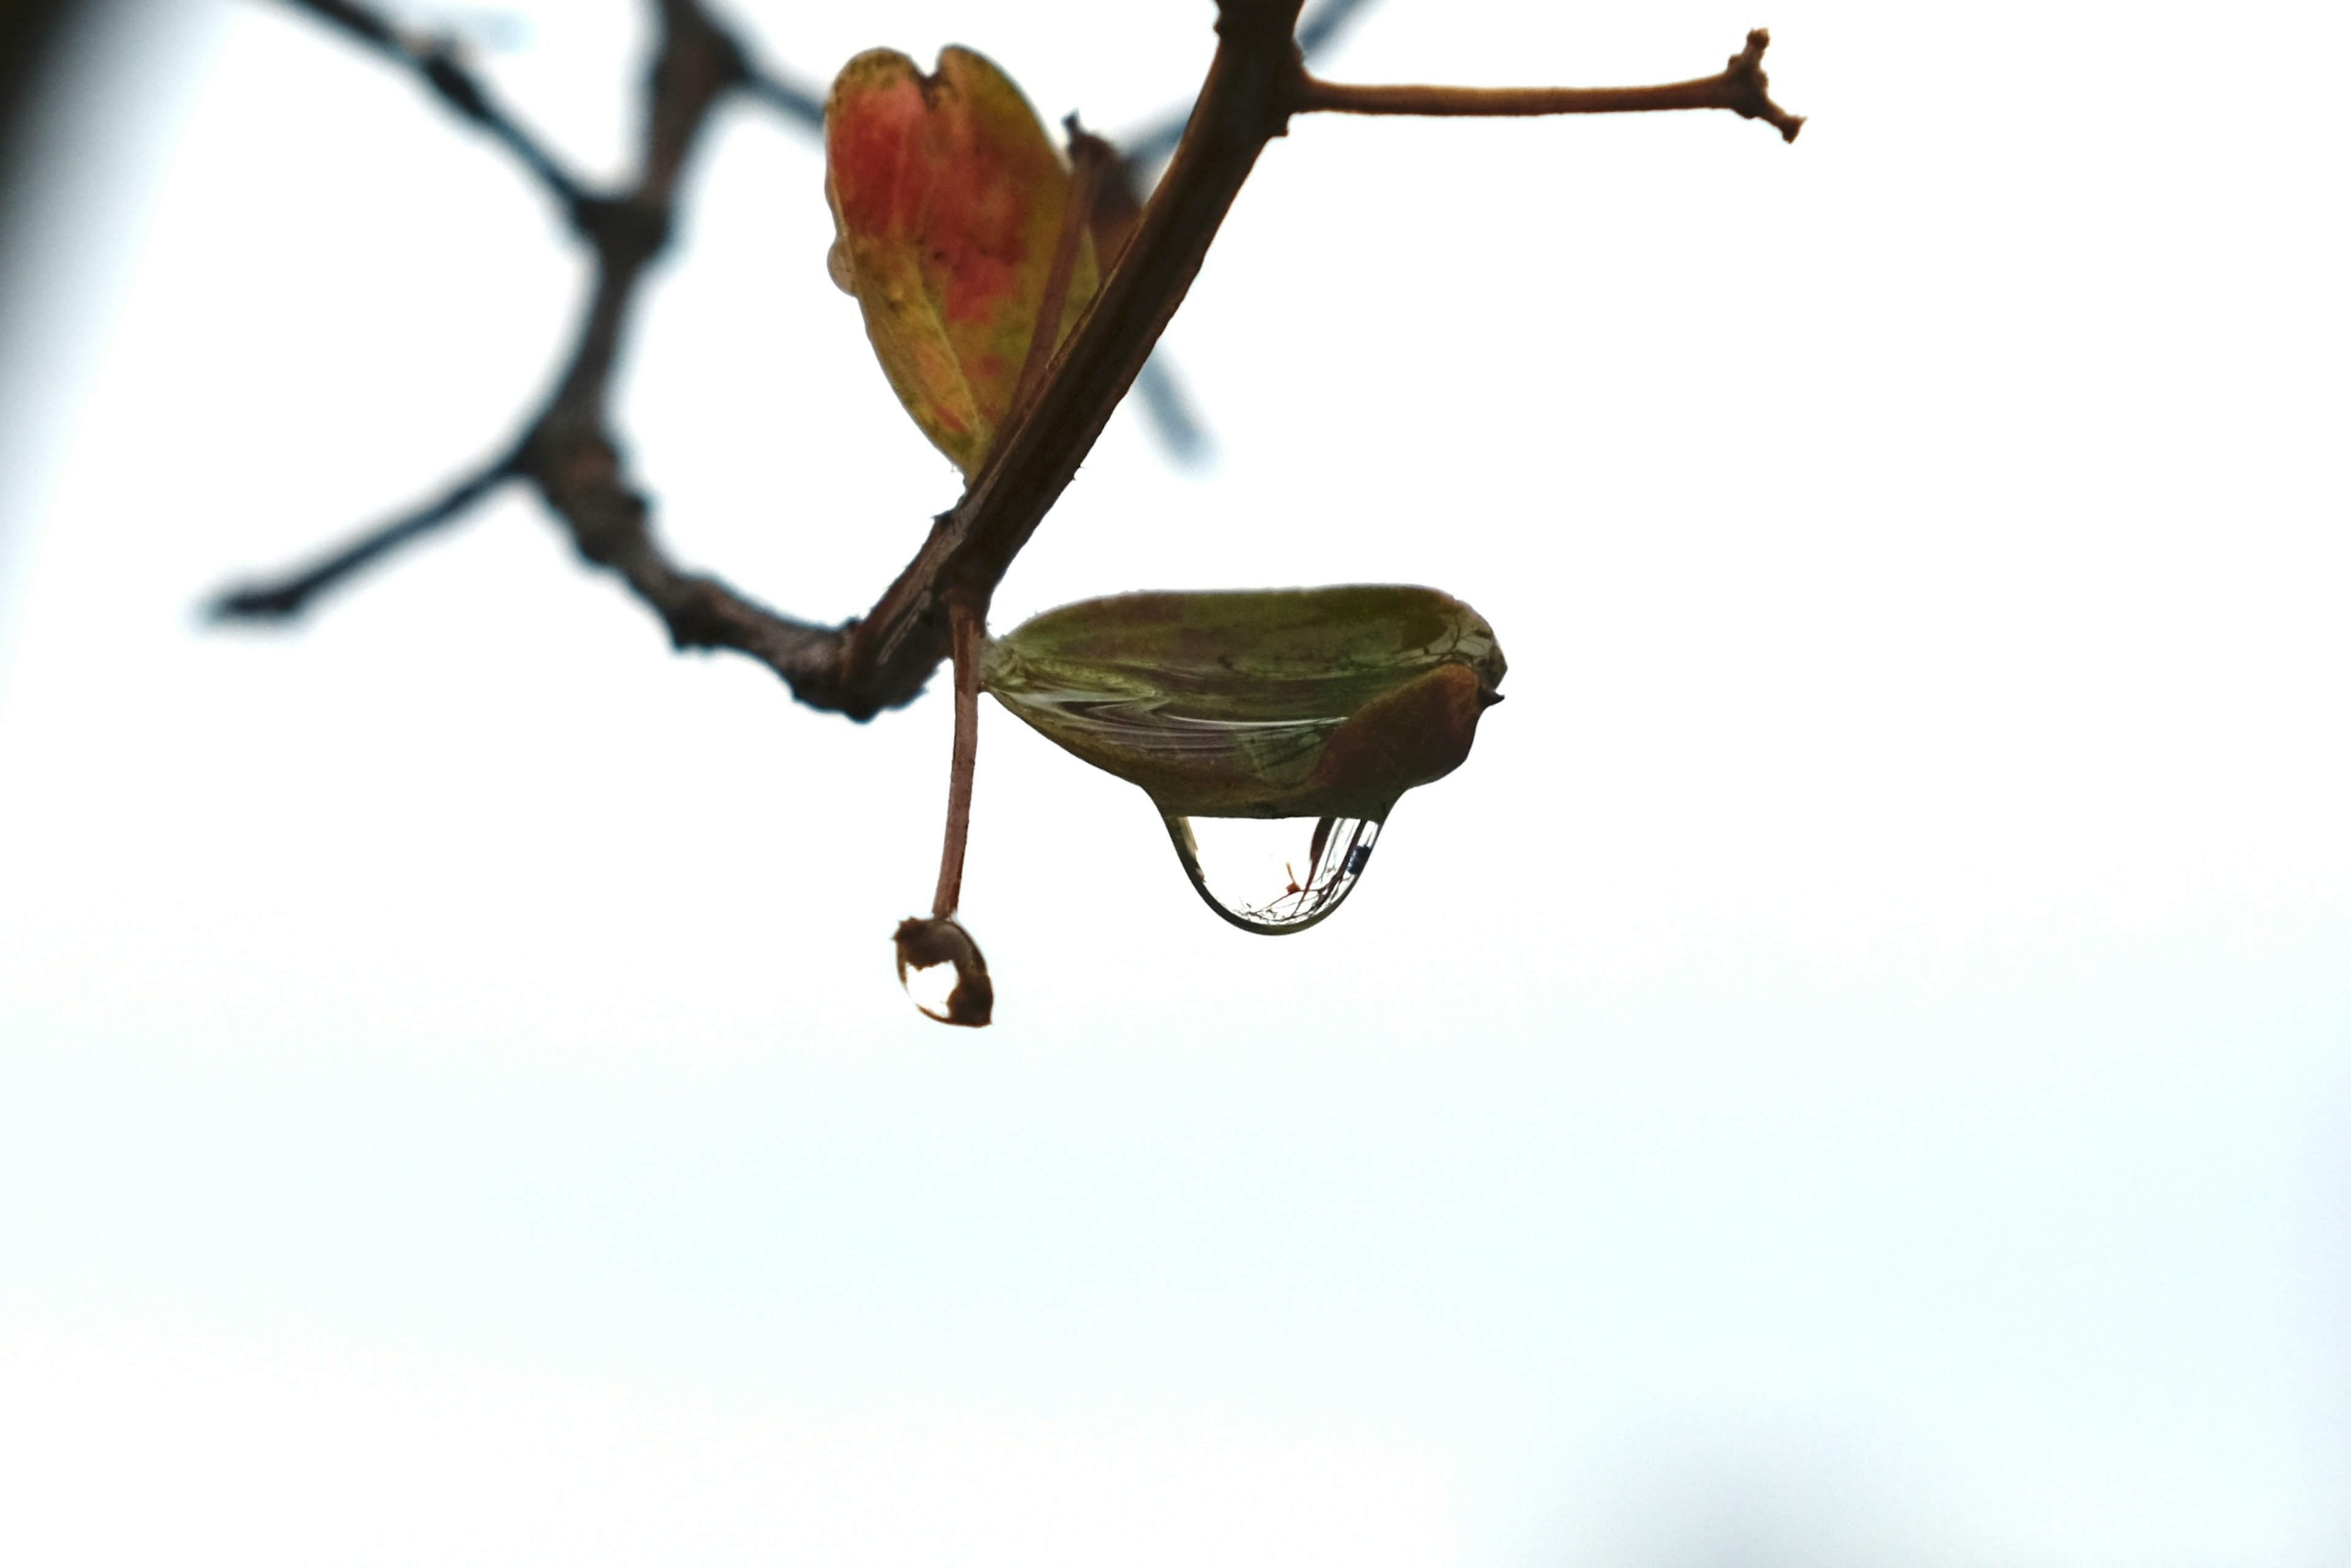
[[1855, 1069]]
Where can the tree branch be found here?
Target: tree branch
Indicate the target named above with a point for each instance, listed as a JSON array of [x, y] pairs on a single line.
[[284, 599], [803, 106], [1255, 83], [1241, 107], [922, 944], [436, 63], [567, 452], [1163, 398], [1148, 148], [1739, 87]]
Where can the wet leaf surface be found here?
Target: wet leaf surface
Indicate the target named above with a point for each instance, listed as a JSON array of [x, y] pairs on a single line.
[[1287, 702]]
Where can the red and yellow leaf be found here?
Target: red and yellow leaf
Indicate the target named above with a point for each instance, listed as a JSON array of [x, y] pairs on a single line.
[[948, 196]]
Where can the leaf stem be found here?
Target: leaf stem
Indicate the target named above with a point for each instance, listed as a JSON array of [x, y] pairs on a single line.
[[965, 618]]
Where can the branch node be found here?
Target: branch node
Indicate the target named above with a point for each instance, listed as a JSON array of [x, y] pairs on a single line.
[[1739, 87], [458, 91], [626, 227], [1751, 88], [1149, 255]]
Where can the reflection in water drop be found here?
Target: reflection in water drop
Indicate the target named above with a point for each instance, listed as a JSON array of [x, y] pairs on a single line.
[[930, 985], [1273, 876], [944, 973]]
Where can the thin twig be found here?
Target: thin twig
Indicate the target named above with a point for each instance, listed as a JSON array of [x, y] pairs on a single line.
[[566, 453], [966, 622], [286, 599], [1154, 144], [942, 939], [1255, 83], [1117, 209], [1316, 31], [1740, 86], [574, 460], [1171, 412], [799, 104], [436, 62], [1242, 106], [1067, 390]]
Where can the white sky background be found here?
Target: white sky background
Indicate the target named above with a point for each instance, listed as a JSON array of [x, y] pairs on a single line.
[[1856, 1070]]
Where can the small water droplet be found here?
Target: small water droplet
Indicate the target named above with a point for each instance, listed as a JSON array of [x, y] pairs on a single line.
[[930, 985], [1273, 876], [838, 267], [944, 973]]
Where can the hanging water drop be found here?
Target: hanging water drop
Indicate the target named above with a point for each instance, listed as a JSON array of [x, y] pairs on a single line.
[[944, 973], [930, 987], [1273, 876]]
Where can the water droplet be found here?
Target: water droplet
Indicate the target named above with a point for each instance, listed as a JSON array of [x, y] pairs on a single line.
[[944, 973], [930, 985], [838, 267], [1273, 876]]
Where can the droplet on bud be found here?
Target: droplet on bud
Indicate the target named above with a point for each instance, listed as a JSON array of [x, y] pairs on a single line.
[[841, 267], [944, 973], [1273, 876]]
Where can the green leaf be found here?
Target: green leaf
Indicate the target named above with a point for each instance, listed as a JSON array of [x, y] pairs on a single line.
[[1328, 702]]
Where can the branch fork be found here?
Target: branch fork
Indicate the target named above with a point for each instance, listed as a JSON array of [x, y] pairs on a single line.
[[936, 606], [1255, 84]]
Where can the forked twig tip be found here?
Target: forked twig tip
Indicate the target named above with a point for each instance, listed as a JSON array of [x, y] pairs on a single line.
[[1744, 72]]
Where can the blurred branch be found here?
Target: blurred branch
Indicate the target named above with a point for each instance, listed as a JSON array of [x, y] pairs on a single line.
[[28, 30], [435, 61], [1255, 83], [1325, 22], [1171, 412], [567, 450], [1144, 150], [1155, 143], [801, 104], [288, 597]]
